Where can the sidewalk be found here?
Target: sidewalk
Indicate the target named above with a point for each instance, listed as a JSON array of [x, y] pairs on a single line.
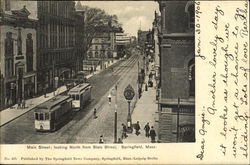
[[144, 112], [12, 113]]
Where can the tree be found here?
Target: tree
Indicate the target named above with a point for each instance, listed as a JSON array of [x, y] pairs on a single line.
[[96, 20]]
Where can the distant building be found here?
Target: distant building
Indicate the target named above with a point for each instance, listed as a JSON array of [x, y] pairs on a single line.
[[101, 46], [122, 41], [18, 53], [149, 44], [142, 38], [177, 72]]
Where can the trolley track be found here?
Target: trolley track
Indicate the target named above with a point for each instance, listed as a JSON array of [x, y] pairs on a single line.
[[22, 130]]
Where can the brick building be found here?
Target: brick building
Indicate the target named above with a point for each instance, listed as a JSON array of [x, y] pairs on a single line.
[[177, 72], [18, 53]]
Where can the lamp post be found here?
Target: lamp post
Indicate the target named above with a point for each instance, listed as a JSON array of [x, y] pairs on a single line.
[[129, 94]]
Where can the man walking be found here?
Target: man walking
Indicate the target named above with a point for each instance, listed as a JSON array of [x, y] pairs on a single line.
[[152, 134], [124, 131], [147, 128], [101, 141], [95, 114], [137, 128]]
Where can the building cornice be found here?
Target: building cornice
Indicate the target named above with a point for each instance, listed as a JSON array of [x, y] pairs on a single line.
[[13, 20]]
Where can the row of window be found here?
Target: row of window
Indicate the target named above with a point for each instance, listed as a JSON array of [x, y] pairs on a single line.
[[77, 96], [49, 58], [9, 52], [41, 116], [63, 9], [63, 37]]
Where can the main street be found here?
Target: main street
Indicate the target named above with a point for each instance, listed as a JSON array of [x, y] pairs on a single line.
[[83, 128]]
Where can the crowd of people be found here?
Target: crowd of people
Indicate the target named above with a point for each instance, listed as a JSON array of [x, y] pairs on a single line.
[[149, 132]]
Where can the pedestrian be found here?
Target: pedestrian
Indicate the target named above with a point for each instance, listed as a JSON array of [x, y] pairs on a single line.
[[139, 92], [18, 103], [146, 87], [124, 131], [137, 128], [44, 90], [119, 140], [101, 141], [152, 134], [95, 114], [23, 103], [147, 128]]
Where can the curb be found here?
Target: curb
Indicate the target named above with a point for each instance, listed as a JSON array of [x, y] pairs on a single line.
[[17, 117], [23, 113]]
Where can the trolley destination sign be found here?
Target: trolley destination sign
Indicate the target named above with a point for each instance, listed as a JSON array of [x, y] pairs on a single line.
[[129, 93]]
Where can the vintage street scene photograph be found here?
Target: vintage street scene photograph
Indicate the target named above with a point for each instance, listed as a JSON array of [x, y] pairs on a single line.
[[93, 72]]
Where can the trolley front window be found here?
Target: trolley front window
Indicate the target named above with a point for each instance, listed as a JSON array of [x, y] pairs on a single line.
[[36, 116], [77, 97], [41, 117], [46, 116]]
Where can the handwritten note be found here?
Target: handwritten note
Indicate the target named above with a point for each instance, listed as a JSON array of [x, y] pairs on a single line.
[[222, 59]]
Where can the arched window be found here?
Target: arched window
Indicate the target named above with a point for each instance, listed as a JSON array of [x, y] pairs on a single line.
[[9, 60], [189, 9], [96, 54], [19, 42], [191, 77], [8, 44], [29, 52]]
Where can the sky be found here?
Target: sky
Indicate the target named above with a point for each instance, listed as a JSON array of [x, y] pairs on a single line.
[[131, 14]]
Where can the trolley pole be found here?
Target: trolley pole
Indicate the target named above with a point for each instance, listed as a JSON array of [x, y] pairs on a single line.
[[178, 118]]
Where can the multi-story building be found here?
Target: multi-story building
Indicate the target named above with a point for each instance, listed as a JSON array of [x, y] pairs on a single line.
[[122, 42], [101, 47], [177, 72], [149, 45], [156, 31], [18, 53], [60, 42], [142, 38]]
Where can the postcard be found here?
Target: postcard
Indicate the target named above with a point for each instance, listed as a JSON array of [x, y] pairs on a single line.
[[124, 82]]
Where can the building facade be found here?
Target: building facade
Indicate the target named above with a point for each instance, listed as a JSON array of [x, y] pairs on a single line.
[[142, 38], [60, 42], [18, 53], [177, 72], [101, 46], [156, 30]]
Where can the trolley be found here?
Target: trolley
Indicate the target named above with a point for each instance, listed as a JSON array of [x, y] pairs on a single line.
[[81, 95], [52, 113]]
